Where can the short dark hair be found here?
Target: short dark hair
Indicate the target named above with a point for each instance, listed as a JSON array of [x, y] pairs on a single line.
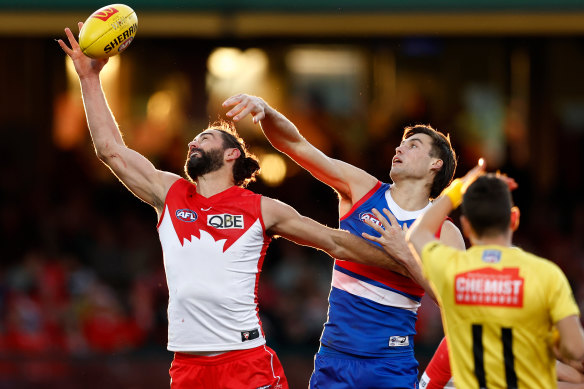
[[487, 205], [247, 166], [441, 148]]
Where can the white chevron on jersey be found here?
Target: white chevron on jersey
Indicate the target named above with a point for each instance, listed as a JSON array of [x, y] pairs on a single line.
[[366, 290], [212, 293]]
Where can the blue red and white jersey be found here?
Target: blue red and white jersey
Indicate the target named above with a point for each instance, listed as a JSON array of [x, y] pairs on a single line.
[[372, 311], [213, 252]]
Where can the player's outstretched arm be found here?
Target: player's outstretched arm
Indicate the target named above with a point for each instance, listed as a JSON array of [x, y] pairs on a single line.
[[349, 181], [424, 229], [133, 169], [283, 220]]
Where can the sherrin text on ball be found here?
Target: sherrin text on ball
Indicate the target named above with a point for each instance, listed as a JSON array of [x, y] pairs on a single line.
[[108, 31]]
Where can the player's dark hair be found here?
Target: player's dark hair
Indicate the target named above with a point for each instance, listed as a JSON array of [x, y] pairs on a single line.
[[247, 166], [441, 148], [487, 205]]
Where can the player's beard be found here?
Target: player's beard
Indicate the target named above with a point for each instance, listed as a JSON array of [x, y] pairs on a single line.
[[207, 162]]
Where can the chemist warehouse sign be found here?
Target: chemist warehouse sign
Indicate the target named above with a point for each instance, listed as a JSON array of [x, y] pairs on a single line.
[[491, 287]]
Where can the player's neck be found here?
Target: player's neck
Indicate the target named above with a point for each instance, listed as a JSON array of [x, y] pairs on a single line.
[[496, 240], [410, 195], [212, 183]]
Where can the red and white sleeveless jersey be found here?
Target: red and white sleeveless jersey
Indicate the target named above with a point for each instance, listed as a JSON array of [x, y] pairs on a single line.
[[213, 252]]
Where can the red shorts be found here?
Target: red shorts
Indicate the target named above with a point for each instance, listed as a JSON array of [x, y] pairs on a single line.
[[256, 368]]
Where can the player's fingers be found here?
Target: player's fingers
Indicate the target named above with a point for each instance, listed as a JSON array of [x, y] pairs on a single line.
[[511, 183], [237, 109], [233, 100], [375, 226], [480, 167], [249, 109], [259, 116], [392, 219], [473, 174], [71, 38], [381, 218], [370, 237], [64, 46]]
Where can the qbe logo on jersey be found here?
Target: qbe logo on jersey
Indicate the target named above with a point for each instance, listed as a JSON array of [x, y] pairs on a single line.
[[225, 221]]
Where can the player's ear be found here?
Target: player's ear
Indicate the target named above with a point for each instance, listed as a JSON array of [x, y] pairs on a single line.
[[436, 164], [232, 153], [514, 223]]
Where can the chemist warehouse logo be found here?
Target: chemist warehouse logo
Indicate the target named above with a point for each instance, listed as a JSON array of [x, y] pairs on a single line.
[[488, 286], [225, 221]]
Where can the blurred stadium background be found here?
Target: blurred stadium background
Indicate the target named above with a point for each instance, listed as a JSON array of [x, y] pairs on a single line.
[[82, 290]]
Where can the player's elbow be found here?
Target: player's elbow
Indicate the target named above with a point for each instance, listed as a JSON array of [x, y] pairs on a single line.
[[573, 349], [339, 245], [106, 152]]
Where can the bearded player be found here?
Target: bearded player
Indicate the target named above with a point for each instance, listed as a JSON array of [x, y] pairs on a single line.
[[214, 236]]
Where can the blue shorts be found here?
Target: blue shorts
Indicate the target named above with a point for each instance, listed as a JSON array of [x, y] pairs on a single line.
[[336, 370]]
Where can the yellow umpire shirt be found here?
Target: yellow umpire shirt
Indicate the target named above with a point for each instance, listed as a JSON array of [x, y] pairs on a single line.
[[499, 305]]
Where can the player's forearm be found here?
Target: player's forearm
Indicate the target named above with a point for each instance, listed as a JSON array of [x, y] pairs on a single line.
[[349, 247], [102, 126], [571, 342], [414, 268], [279, 130]]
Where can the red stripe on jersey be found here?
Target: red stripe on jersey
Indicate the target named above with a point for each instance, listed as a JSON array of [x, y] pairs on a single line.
[[387, 277], [363, 199], [384, 276]]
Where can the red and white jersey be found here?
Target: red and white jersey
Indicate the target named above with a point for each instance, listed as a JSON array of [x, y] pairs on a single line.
[[213, 252]]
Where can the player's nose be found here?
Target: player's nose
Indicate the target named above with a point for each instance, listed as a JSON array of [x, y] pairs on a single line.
[[193, 143]]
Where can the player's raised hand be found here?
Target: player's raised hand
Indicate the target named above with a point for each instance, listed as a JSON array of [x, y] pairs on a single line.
[[84, 66], [244, 105], [473, 174], [392, 237]]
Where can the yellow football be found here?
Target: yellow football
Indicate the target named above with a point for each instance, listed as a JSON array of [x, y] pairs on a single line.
[[108, 31]]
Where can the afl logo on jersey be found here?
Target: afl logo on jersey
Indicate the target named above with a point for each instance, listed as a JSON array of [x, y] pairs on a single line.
[[186, 215], [369, 216]]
